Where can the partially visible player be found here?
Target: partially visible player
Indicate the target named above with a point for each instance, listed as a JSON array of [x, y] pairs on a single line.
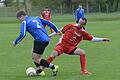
[[34, 26], [46, 14], [73, 34], [79, 13]]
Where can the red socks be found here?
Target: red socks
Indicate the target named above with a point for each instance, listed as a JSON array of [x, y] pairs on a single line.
[[50, 59], [83, 62]]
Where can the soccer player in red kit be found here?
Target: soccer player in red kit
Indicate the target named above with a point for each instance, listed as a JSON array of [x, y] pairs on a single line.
[[73, 34], [46, 14]]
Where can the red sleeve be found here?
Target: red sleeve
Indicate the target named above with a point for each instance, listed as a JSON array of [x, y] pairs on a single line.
[[87, 36], [66, 27]]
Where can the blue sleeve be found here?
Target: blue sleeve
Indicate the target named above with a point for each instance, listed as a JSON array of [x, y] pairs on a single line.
[[76, 13], [22, 32], [83, 13], [50, 24]]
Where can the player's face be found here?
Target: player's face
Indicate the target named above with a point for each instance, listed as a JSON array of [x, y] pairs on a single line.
[[80, 6], [82, 22], [21, 18]]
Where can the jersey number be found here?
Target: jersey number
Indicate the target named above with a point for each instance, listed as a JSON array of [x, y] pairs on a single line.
[[38, 26]]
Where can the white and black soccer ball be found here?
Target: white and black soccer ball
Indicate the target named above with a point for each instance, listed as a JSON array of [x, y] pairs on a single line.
[[30, 71]]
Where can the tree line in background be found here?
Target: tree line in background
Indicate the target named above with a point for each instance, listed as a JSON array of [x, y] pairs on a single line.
[[67, 6]]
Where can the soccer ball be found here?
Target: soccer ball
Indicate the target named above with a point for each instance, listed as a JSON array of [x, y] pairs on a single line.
[[30, 71]]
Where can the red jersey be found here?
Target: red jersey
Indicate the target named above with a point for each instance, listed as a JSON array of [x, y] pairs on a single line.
[[72, 35], [46, 15]]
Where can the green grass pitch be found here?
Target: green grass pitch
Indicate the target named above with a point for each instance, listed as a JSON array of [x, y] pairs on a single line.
[[103, 58]]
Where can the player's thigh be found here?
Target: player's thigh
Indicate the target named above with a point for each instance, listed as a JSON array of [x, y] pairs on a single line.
[[70, 50], [59, 49], [79, 51], [54, 53]]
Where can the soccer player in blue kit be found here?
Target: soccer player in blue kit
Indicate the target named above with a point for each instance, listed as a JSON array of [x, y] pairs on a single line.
[[79, 13], [34, 26]]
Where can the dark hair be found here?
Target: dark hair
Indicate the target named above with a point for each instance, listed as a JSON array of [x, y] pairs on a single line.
[[85, 20], [77, 21], [19, 13], [46, 7]]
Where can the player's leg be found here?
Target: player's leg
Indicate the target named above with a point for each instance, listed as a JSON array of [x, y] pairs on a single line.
[[52, 56], [44, 25], [36, 64], [51, 30], [41, 62], [58, 50], [37, 55], [38, 70], [82, 55]]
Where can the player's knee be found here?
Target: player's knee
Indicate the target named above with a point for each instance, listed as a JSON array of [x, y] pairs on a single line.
[[54, 54], [37, 60], [36, 57], [81, 52]]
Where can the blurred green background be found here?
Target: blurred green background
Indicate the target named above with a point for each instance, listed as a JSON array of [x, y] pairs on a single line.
[[102, 57]]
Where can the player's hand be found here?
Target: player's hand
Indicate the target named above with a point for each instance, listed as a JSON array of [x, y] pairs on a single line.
[[106, 39], [54, 33], [49, 36], [58, 33], [13, 43]]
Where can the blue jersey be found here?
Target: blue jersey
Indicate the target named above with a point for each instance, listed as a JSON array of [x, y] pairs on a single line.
[[79, 13], [34, 25]]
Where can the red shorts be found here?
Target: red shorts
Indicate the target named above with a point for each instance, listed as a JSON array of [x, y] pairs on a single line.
[[60, 48]]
